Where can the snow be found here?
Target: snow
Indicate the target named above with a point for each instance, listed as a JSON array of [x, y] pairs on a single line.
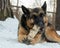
[[8, 36]]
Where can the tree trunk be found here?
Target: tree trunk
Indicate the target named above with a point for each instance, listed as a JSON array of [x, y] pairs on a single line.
[[58, 15]]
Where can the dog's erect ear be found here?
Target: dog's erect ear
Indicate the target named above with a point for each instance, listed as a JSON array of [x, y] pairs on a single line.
[[44, 6], [25, 10]]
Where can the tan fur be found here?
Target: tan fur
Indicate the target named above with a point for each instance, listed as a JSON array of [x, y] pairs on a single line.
[[45, 18], [22, 34], [29, 23], [51, 34], [36, 39]]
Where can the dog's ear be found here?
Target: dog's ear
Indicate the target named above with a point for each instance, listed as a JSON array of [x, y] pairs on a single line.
[[44, 6], [25, 10]]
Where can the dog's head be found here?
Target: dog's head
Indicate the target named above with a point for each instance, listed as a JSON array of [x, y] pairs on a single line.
[[34, 16]]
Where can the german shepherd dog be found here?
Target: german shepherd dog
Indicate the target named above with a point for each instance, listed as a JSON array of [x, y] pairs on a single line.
[[36, 18]]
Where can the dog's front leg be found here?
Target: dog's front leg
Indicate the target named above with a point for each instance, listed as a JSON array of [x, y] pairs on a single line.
[[36, 39], [22, 34], [51, 34]]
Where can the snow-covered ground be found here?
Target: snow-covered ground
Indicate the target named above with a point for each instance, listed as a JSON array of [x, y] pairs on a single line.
[[8, 36]]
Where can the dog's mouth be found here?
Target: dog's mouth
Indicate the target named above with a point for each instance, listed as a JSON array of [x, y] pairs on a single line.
[[36, 29], [42, 28], [37, 26]]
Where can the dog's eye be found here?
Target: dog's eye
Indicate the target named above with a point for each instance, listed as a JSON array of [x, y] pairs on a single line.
[[34, 16]]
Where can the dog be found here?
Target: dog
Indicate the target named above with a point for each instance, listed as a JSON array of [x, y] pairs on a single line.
[[36, 20]]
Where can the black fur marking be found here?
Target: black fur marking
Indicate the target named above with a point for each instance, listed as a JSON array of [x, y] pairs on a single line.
[[25, 10], [23, 22], [43, 36], [44, 6], [36, 10], [49, 24]]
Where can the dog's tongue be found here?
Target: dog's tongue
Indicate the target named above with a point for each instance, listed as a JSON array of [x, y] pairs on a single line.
[[33, 32]]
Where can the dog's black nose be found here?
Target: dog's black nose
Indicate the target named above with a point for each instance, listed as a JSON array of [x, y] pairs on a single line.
[[41, 24]]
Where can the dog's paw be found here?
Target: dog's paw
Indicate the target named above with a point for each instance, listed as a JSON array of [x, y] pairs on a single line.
[[26, 41], [33, 42]]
